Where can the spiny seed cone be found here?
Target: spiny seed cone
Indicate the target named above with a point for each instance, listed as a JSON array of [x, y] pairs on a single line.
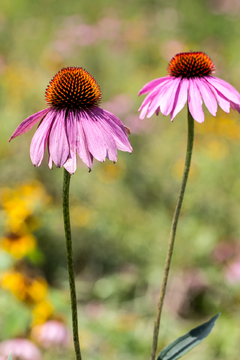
[[74, 88], [190, 65]]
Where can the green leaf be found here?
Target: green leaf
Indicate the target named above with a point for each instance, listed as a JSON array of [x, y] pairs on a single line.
[[10, 357], [185, 343]]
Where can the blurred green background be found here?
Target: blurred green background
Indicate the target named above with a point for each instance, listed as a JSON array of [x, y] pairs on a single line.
[[121, 214]]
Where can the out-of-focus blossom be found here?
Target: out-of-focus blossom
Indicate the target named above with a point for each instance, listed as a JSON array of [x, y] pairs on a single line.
[[184, 289], [28, 289], [18, 245], [190, 80], [232, 272], [41, 312], [20, 203], [74, 124], [74, 32], [225, 251], [230, 7], [52, 333], [21, 349]]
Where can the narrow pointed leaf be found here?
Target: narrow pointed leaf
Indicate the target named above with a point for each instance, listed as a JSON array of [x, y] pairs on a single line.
[[185, 343], [10, 357]]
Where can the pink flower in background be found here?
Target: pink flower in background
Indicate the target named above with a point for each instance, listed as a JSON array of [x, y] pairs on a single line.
[[74, 124], [232, 272], [190, 80], [50, 334], [21, 349]]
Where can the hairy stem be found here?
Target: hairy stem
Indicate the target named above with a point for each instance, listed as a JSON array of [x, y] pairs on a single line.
[[67, 228], [173, 233]]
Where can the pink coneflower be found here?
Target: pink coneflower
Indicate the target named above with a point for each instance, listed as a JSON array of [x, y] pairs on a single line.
[[73, 123], [21, 349], [50, 334], [190, 79]]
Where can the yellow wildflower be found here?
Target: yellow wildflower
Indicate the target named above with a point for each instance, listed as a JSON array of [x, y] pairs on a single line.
[[25, 288], [42, 311], [18, 245]]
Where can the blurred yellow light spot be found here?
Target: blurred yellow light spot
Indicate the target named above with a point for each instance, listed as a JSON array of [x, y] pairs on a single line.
[[87, 339], [20, 203], [222, 126], [80, 216], [42, 312], [25, 288], [18, 245], [110, 173], [177, 170], [217, 149]]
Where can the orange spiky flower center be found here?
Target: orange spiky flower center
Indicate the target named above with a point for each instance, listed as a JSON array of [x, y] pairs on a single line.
[[190, 65], [73, 88]]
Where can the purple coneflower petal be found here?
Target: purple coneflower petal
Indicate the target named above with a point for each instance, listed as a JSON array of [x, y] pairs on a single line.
[[235, 106], [28, 123], [157, 98], [95, 140], [149, 98], [113, 125], [111, 148], [40, 138], [144, 111], [207, 95], [58, 141], [71, 128], [152, 85], [180, 98], [82, 147], [195, 101], [168, 96], [224, 88], [50, 162], [222, 101]]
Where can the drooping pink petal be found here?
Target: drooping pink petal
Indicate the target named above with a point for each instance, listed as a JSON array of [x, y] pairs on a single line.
[[180, 98], [150, 97], [58, 141], [107, 132], [152, 85], [115, 127], [224, 88], [144, 111], [95, 139], [222, 101], [71, 128], [82, 146], [20, 349], [40, 138], [208, 96], [28, 123], [235, 106], [195, 102], [168, 96], [158, 97], [50, 162]]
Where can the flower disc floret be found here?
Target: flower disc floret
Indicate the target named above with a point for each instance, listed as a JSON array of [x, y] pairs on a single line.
[[190, 65], [73, 88]]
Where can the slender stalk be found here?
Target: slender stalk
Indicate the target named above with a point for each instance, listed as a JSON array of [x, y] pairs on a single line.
[[173, 233], [67, 228]]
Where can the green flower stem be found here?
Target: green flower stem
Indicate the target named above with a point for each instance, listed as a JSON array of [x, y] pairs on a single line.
[[67, 228], [173, 233]]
